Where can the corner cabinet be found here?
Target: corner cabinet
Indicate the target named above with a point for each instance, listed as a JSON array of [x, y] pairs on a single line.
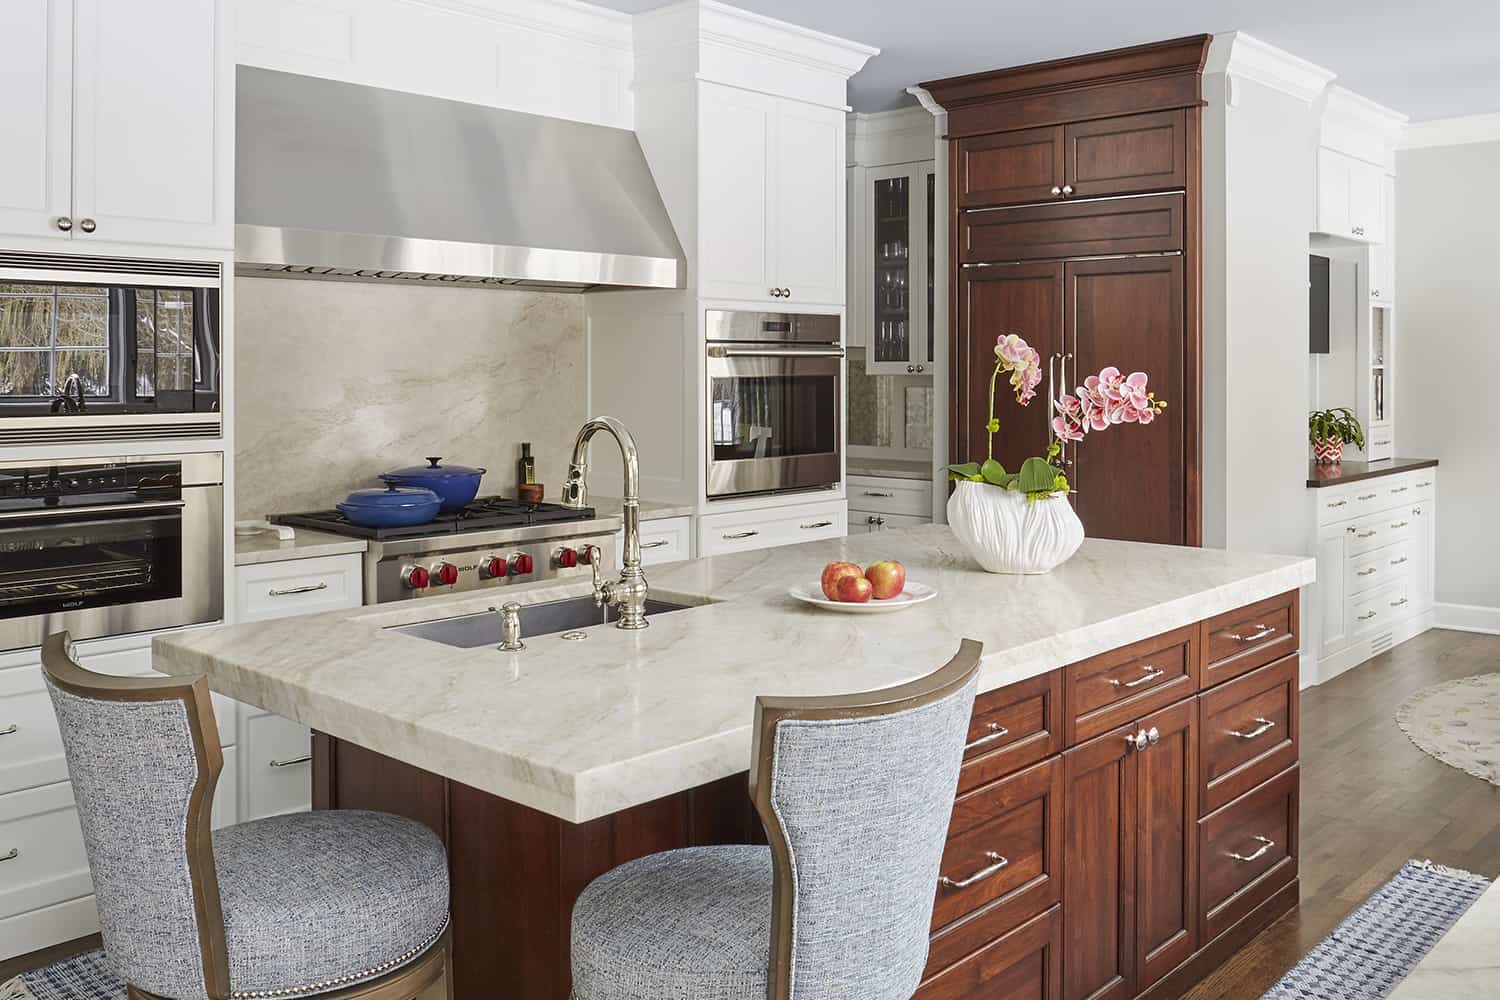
[[771, 199], [892, 313], [123, 121], [1351, 197]]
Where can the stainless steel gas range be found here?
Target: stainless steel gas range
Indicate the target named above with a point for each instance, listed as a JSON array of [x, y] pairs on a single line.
[[493, 544]]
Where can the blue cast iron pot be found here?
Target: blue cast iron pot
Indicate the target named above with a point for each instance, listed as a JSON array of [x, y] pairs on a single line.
[[391, 507], [455, 485]]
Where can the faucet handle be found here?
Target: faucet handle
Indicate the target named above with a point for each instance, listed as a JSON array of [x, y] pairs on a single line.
[[593, 557]]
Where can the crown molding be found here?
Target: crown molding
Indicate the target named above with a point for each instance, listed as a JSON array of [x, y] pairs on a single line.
[[731, 27], [1346, 104], [567, 19], [928, 102], [1236, 54], [1461, 131]]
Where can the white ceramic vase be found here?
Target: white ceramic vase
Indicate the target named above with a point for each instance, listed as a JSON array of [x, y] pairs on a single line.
[[1006, 533]]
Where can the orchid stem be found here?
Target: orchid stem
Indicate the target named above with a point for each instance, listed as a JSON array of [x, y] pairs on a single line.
[[989, 449]]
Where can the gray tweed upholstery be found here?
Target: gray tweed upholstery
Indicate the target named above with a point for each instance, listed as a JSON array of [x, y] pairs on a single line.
[[133, 769], [693, 924], [865, 805], [317, 900]]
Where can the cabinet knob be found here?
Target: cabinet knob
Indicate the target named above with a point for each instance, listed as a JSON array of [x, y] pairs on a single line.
[[1067, 189], [911, 368], [775, 293], [88, 225], [786, 293], [919, 369], [1056, 190], [64, 223]]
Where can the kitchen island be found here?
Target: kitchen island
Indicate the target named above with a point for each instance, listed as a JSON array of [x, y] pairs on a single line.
[[544, 768]]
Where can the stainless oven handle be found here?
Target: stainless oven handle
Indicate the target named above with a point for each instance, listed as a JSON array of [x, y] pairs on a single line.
[[720, 351], [113, 508]]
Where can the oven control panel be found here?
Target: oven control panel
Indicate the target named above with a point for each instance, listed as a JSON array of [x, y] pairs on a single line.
[[22, 487]]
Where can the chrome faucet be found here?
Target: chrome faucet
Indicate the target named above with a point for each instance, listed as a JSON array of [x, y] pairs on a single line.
[[70, 398], [628, 593]]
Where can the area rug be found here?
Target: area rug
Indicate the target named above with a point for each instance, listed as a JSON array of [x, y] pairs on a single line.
[[1458, 722], [1368, 955], [82, 977]]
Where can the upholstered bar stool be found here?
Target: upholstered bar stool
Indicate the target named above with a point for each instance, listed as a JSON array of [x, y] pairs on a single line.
[[336, 905], [855, 793]]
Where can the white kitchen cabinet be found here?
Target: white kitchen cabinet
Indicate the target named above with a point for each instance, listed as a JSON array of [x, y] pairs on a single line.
[[663, 540], [125, 119], [298, 587], [771, 199], [745, 531], [882, 503], [1383, 255], [1351, 197], [896, 257]]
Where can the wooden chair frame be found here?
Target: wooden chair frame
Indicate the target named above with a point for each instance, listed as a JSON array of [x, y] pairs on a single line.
[[771, 712], [427, 978]]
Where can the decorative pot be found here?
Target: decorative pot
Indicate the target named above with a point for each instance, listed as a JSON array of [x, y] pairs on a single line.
[[1006, 533], [1328, 451]]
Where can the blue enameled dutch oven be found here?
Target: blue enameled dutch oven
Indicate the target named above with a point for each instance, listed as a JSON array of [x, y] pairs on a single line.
[[391, 507], [455, 485]]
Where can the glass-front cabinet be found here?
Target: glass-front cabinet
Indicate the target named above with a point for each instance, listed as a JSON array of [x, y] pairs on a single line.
[[893, 319]]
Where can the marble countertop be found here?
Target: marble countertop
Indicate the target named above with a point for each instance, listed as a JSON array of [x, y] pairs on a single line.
[[265, 547], [582, 729], [1463, 964], [889, 468], [650, 510]]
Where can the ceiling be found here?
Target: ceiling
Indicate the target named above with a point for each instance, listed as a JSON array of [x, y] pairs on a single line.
[[1425, 58]]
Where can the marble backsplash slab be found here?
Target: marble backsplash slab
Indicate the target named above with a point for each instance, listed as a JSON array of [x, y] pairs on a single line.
[[336, 382]]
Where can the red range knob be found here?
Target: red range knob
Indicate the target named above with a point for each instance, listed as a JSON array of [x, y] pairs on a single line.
[[567, 558], [524, 565], [415, 578], [493, 568], [446, 574], [586, 555]]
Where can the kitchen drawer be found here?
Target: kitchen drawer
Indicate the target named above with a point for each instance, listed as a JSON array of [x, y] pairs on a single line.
[[1004, 849], [1343, 503], [1411, 487], [1376, 531], [1369, 570], [890, 496], [1247, 732], [298, 587], [1238, 641], [746, 531], [43, 846], [277, 767], [1025, 964], [665, 540], [1379, 608], [1247, 851], [1013, 727], [862, 522], [1113, 688], [1151, 224]]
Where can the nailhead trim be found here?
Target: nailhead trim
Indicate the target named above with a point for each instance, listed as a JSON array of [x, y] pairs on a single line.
[[346, 980]]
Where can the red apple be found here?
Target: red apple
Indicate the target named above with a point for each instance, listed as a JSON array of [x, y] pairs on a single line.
[[853, 589], [833, 572], [888, 578]]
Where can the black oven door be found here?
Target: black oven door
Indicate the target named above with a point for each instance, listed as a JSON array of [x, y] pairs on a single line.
[[775, 419]]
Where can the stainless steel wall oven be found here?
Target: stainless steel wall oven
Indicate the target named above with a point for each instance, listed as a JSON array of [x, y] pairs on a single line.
[[110, 547], [775, 402]]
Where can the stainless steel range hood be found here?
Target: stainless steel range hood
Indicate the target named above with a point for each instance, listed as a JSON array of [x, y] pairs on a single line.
[[335, 180]]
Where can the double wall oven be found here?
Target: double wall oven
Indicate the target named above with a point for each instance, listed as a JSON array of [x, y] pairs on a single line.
[[109, 547], [775, 402]]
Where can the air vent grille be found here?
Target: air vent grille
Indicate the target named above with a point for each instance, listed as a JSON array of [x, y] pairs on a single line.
[[82, 264], [413, 277], [1381, 643], [66, 433]]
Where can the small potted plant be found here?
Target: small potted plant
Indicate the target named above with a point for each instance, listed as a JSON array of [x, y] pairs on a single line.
[[1022, 522], [1329, 430]]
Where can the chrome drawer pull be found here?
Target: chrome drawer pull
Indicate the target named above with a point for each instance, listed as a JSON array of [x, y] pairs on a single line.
[[979, 876], [1367, 572], [1265, 845], [1266, 725], [1423, 486], [288, 592], [1366, 534], [10, 729], [1339, 503], [817, 524], [997, 732], [1400, 524], [656, 544], [11, 855], [1261, 632], [1400, 489], [878, 493], [1365, 618], [1398, 562], [1397, 604], [292, 762], [740, 534], [1151, 674], [1367, 496]]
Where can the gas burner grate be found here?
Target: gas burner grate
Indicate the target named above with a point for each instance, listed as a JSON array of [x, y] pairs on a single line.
[[483, 514]]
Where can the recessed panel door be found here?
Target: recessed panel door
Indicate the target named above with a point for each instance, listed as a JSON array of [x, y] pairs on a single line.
[[1166, 930]]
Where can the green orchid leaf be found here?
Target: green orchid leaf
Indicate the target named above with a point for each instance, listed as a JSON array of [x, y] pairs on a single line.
[[993, 472], [965, 471], [1037, 476]]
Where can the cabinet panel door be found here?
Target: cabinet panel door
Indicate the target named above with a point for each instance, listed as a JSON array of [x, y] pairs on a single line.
[[153, 128], [734, 194], [36, 75], [1127, 154], [1367, 201], [1333, 193], [1010, 167], [1099, 858], [1131, 480], [1026, 299], [807, 191], [1166, 926]]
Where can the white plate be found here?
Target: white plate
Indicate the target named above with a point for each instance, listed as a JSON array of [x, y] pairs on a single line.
[[914, 594]]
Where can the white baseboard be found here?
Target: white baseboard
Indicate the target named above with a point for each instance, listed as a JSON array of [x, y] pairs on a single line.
[[1361, 650], [50, 925], [1469, 618]]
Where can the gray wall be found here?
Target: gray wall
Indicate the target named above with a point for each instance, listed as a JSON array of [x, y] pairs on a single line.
[[339, 381], [1448, 352]]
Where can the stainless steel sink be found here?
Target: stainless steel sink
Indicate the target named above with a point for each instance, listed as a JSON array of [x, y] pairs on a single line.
[[483, 629]]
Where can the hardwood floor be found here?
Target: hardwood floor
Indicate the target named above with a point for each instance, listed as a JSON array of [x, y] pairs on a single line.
[[25, 963], [1370, 801]]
